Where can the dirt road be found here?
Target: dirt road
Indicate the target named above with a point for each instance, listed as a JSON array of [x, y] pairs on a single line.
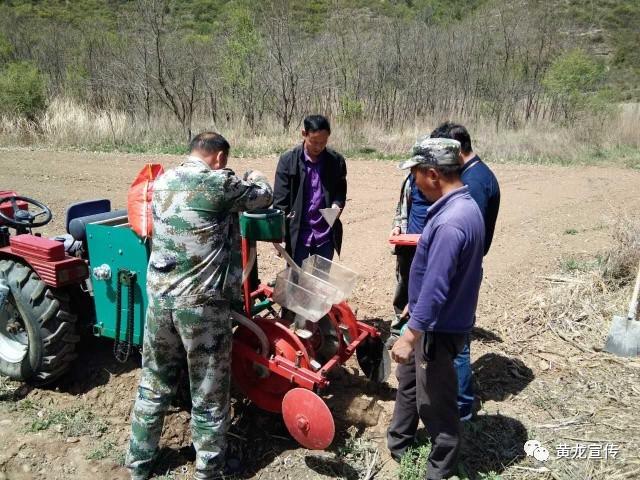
[[547, 214]]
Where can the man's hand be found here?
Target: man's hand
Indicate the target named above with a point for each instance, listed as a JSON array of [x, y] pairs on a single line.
[[404, 346], [395, 231], [335, 205]]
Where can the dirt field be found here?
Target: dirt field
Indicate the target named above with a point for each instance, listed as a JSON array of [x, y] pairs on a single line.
[[527, 377]]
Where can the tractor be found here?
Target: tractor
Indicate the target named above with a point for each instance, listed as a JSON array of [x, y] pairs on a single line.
[[288, 334]]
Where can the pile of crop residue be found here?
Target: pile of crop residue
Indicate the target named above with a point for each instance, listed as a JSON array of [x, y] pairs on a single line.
[[587, 399]]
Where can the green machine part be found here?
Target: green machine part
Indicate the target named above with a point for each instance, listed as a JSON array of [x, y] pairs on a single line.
[[118, 260], [265, 225], [118, 255]]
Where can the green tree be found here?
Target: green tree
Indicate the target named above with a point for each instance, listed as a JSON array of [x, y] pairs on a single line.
[[22, 90], [241, 61], [573, 79]]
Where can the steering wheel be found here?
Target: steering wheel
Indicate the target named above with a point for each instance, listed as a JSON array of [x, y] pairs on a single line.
[[24, 218]]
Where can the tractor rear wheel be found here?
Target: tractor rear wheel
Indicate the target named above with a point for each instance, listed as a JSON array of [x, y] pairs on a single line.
[[37, 329]]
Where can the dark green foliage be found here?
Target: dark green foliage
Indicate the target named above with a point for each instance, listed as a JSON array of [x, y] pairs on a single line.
[[574, 73], [22, 90], [612, 27], [385, 61]]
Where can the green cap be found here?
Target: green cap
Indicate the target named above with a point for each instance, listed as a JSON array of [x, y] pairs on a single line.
[[436, 152]]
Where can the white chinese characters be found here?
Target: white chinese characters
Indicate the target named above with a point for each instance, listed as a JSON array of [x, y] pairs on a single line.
[[597, 451], [592, 451]]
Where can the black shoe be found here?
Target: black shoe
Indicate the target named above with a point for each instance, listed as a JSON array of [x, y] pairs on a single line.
[[232, 466], [397, 456]]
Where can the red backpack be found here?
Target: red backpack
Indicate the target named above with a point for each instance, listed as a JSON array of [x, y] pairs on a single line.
[[139, 199]]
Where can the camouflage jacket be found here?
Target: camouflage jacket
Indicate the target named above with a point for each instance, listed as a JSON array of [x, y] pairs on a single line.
[[195, 247], [401, 218]]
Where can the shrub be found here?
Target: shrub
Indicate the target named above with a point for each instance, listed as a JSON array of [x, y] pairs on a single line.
[[573, 79], [22, 90]]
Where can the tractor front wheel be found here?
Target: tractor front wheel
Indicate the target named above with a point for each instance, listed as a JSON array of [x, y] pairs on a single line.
[[37, 329]]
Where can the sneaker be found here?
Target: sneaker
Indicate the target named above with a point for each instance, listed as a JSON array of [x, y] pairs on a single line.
[[232, 466], [139, 475]]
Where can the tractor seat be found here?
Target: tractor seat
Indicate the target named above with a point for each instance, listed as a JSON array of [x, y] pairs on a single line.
[[78, 226], [86, 208]]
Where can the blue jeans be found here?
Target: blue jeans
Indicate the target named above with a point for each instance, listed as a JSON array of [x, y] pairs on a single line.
[[302, 251], [462, 364]]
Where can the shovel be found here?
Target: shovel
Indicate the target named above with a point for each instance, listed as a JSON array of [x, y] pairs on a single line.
[[624, 336]]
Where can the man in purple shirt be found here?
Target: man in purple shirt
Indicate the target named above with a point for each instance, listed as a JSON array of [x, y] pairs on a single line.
[[311, 177], [315, 232], [444, 284]]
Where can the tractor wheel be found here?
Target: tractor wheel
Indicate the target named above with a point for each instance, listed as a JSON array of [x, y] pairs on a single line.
[[37, 330]]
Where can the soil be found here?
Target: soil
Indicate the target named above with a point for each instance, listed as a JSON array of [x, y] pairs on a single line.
[[524, 373]]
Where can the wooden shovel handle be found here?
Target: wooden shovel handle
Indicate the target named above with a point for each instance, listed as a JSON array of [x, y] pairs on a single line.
[[633, 305]]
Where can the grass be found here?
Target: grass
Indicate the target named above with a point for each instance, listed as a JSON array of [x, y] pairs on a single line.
[[577, 265], [587, 141], [572, 265], [622, 156], [169, 149], [106, 449], [489, 476], [413, 464], [72, 422], [587, 396], [8, 389], [356, 457], [367, 153]]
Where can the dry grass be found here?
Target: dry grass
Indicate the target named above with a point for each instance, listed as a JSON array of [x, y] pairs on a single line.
[[583, 395], [9, 390], [66, 124], [578, 307]]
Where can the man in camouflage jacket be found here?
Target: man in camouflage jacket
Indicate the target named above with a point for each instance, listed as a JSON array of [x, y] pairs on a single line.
[[410, 217], [191, 279]]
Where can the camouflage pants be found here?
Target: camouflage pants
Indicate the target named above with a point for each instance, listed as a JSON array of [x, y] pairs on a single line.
[[203, 333]]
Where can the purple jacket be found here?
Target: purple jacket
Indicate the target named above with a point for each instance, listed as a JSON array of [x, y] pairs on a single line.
[[446, 272]]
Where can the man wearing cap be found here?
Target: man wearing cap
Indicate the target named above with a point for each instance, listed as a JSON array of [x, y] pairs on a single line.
[[192, 279], [484, 189], [443, 292]]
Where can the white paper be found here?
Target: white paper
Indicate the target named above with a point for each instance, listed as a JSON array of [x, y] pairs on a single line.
[[330, 215]]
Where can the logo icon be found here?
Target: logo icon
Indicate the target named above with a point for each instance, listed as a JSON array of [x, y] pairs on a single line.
[[541, 454], [533, 448]]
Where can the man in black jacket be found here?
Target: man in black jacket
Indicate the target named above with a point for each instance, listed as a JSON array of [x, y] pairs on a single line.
[[310, 178]]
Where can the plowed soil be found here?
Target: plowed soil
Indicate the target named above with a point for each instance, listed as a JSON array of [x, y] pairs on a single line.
[[547, 214]]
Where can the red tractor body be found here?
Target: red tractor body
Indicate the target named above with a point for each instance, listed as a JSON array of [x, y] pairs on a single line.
[[48, 259]]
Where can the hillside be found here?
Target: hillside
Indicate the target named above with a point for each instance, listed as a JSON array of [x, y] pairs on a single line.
[[156, 70]]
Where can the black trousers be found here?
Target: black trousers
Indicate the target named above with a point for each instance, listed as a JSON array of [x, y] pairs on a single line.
[[429, 382], [404, 257]]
